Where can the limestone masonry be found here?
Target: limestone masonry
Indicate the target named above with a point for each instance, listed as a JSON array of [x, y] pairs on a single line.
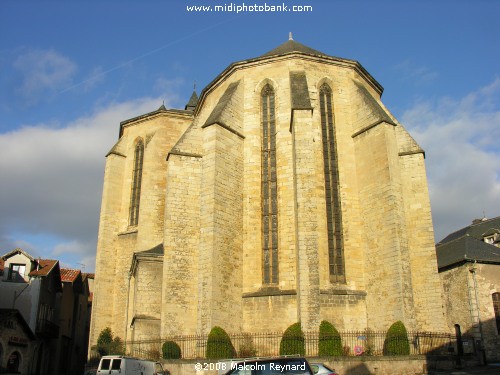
[[286, 192]]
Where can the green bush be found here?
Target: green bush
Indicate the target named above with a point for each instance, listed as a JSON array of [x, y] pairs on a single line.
[[293, 341], [396, 341], [108, 345], [330, 342], [170, 350], [219, 345]]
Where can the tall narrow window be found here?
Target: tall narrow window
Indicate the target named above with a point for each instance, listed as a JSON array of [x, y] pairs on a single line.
[[333, 212], [135, 195], [496, 309], [269, 189]]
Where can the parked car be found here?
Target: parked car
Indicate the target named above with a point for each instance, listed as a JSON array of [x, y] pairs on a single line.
[[283, 365], [321, 369], [117, 364]]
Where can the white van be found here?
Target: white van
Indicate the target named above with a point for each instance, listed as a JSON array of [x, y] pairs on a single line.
[[117, 364]]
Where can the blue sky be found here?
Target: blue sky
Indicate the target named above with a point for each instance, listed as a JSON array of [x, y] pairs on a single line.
[[70, 71]]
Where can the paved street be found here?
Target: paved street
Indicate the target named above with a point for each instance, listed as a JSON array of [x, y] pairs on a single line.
[[479, 370]]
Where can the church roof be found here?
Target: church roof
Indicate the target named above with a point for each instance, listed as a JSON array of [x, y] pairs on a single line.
[[291, 46], [193, 100]]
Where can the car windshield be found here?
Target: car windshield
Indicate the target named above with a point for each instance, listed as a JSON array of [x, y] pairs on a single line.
[[105, 364]]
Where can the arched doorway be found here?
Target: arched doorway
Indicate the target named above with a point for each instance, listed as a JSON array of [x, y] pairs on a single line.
[[14, 362]]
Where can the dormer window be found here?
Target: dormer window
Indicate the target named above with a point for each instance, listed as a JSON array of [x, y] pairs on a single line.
[[489, 239], [16, 272]]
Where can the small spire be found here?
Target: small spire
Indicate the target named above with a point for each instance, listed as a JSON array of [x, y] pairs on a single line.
[[290, 36]]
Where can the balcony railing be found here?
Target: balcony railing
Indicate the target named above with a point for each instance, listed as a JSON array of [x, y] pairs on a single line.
[[47, 329]]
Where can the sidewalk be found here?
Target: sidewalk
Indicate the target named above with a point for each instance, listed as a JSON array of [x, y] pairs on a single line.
[[492, 369]]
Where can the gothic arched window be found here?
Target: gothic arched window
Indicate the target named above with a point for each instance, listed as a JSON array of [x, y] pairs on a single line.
[[269, 187], [135, 195], [332, 199]]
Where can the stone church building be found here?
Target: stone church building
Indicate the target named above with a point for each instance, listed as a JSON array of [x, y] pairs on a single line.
[[286, 192]]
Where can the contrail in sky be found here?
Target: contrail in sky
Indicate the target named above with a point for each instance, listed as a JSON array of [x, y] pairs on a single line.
[[119, 66]]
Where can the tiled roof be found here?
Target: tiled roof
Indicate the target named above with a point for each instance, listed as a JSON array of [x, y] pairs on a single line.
[[88, 275], [69, 275], [476, 230], [466, 249], [44, 267], [466, 244], [2, 262]]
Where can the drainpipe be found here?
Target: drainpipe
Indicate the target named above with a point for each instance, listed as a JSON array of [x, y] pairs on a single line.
[[126, 309], [473, 270]]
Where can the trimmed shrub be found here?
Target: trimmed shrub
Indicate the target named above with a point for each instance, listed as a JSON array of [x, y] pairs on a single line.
[[330, 342], [396, 341], [293, 341], [219, 345], [170, 350]]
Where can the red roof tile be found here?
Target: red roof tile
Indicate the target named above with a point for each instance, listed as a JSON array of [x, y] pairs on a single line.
[[2, 262], [44, 267], [69, 275]]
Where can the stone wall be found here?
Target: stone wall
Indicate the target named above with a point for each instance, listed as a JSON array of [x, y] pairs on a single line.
[[460, 302], [182, 240]]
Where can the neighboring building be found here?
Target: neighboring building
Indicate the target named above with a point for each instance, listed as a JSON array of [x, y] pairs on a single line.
[[73, 334], [88, 278], [287, 192], [46, 310], [17, 343], [33, 287], [469, 267]]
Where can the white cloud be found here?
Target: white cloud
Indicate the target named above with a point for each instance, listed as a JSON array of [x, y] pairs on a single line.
[[42, 71], [52, 178], [460, 138]]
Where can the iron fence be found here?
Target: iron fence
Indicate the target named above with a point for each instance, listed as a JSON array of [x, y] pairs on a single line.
[[353, 343]]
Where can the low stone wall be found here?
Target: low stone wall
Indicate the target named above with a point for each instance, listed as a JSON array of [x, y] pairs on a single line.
[[406, 365]]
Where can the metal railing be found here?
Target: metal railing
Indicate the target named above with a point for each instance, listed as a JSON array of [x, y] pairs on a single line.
[[352, 343]]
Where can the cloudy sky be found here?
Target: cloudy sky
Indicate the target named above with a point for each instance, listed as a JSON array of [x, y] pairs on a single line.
[[70, 71]]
